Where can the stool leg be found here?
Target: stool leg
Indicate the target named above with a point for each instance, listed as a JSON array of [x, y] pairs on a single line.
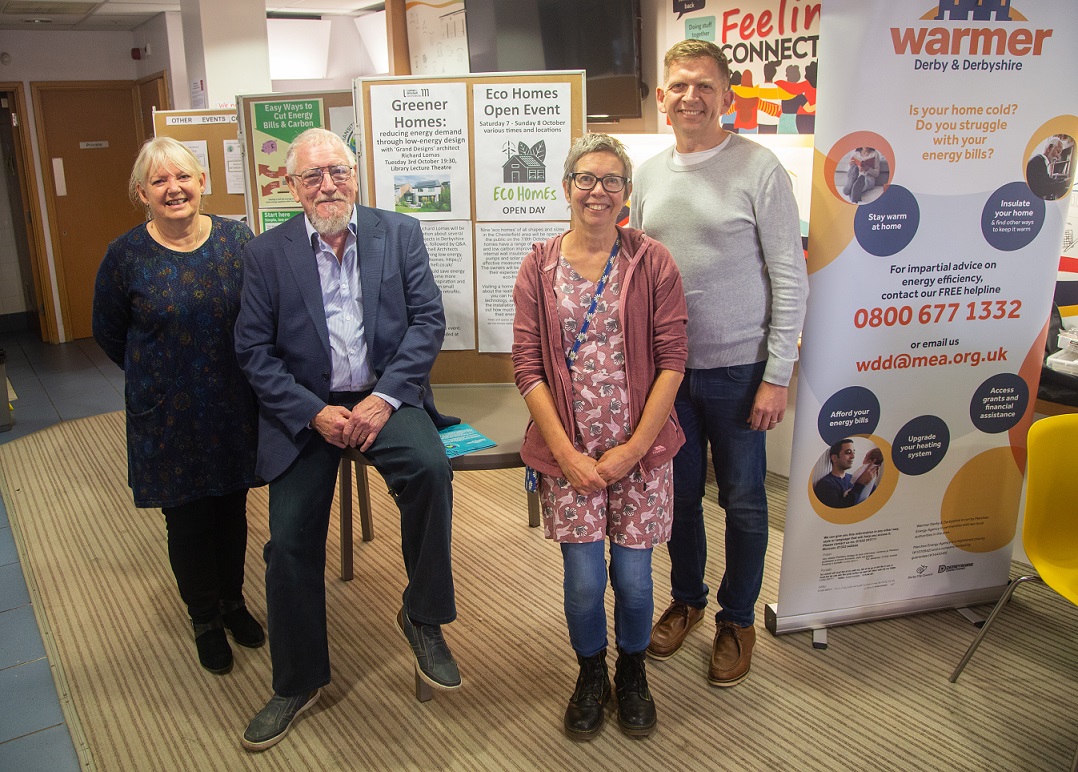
[[344, 483], [423, 692], [534, 513], [364, 491]]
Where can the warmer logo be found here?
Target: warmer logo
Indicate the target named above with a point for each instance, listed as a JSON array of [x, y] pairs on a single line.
[[1013, 39]]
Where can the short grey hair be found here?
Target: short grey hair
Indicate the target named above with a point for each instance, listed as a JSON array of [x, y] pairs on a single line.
[[317, 137], [155, 154], [598, 143]]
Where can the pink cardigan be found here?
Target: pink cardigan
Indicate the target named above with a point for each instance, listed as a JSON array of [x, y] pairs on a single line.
[[653, 317]]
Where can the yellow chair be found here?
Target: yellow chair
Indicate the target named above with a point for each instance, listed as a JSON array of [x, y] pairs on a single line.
[[1050, 530]]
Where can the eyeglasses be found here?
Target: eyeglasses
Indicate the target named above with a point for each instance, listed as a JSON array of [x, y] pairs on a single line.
[[612, 183], [312, 178]]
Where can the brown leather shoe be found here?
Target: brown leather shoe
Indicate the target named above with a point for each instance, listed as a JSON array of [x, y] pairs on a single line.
[[669, 632], [732, 654]]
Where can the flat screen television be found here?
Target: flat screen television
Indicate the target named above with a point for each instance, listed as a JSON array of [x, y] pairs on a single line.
[[599, 36]]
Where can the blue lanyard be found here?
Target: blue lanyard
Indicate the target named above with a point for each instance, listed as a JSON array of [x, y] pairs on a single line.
[[570, 358]]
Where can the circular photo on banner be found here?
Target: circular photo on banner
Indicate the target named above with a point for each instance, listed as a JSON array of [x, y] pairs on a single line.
[[852, 479], [1050, 169], [859, 167]]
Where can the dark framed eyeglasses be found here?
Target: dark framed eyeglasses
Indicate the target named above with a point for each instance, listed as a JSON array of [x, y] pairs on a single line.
[[612, 183], [312, 178]]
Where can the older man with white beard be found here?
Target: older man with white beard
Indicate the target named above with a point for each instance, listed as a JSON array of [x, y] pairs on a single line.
[[339, 325]]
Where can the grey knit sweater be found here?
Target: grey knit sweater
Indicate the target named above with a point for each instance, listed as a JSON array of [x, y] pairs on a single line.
[[732, 225]]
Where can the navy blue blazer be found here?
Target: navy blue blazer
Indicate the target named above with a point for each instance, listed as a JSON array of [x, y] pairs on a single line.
[[282, 340]]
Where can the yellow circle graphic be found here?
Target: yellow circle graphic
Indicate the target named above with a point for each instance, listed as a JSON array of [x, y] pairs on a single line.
[[980, 507]]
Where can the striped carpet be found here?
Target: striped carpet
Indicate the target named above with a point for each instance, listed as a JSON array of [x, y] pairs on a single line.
[[136, 699]]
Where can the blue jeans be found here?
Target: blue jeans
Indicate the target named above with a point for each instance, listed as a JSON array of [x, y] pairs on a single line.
[[585, 591], [410, 456], [713, 407]]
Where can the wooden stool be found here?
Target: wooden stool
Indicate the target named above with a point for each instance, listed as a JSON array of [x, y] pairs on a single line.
[[494, 410]]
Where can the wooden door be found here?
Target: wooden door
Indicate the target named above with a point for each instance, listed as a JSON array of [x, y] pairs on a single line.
[[88, 136], [152, 95]]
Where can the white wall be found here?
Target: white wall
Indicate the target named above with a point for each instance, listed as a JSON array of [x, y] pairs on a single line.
[[348, 59], [163, 36]]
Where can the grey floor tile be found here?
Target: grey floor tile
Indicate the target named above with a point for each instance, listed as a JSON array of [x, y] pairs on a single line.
[[13, 592], [49, 750], [117, 380], [20, 638], [30, 703], [63, 357], [90, 404], [8, 553], [4, 522], [69, 385], [29, 393], [28, 389]]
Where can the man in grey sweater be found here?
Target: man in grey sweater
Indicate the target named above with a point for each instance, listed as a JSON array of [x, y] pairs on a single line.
[[724, 207]]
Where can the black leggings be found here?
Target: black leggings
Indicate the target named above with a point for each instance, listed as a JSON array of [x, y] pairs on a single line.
[[207, 545]]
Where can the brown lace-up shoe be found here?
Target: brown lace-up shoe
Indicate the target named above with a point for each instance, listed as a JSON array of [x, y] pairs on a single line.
[[669, 632], [732, 655]]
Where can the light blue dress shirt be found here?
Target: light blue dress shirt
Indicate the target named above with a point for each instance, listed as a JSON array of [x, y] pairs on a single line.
[[342, 298]]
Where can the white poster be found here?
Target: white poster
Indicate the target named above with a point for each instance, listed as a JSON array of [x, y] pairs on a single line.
[[523, 133], [944, 163], [449, 245], [438, 38], [233, 166], [500, 249], [419, 134], [200, 150], [342, 122]]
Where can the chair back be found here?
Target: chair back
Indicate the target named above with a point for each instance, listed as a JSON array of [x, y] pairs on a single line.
[[1050, 529]]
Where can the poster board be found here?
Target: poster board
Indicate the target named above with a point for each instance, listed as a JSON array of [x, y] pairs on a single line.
[[478, 160], [267, 124], [211, 135]]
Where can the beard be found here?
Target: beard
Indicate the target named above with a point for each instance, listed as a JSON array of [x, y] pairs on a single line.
[[331, 225]]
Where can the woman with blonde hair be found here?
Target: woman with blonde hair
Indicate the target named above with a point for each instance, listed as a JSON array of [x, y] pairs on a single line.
[[165, 301]]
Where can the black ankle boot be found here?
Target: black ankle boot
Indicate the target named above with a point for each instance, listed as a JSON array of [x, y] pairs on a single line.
[[636, 709], [584, 716], [244, 628], [214, 653]]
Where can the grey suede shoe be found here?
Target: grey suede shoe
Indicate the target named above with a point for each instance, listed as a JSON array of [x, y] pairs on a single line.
[[273, 722], [433, 659]]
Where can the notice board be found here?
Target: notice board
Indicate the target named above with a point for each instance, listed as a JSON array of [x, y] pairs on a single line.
[[478, 161], [267, 125], [211, 136]]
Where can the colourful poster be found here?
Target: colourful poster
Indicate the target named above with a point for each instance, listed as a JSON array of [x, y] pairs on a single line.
[[523, 132], [274, 125], [943, 171], [419, 135], [772, 47]]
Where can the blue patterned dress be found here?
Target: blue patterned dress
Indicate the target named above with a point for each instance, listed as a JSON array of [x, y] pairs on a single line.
[[166, 318]]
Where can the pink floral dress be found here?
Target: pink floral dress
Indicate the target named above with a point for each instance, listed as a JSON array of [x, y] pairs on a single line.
[[635, 511]]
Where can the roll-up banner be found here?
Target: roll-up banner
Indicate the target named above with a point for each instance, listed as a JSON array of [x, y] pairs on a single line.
[[944, 163]]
